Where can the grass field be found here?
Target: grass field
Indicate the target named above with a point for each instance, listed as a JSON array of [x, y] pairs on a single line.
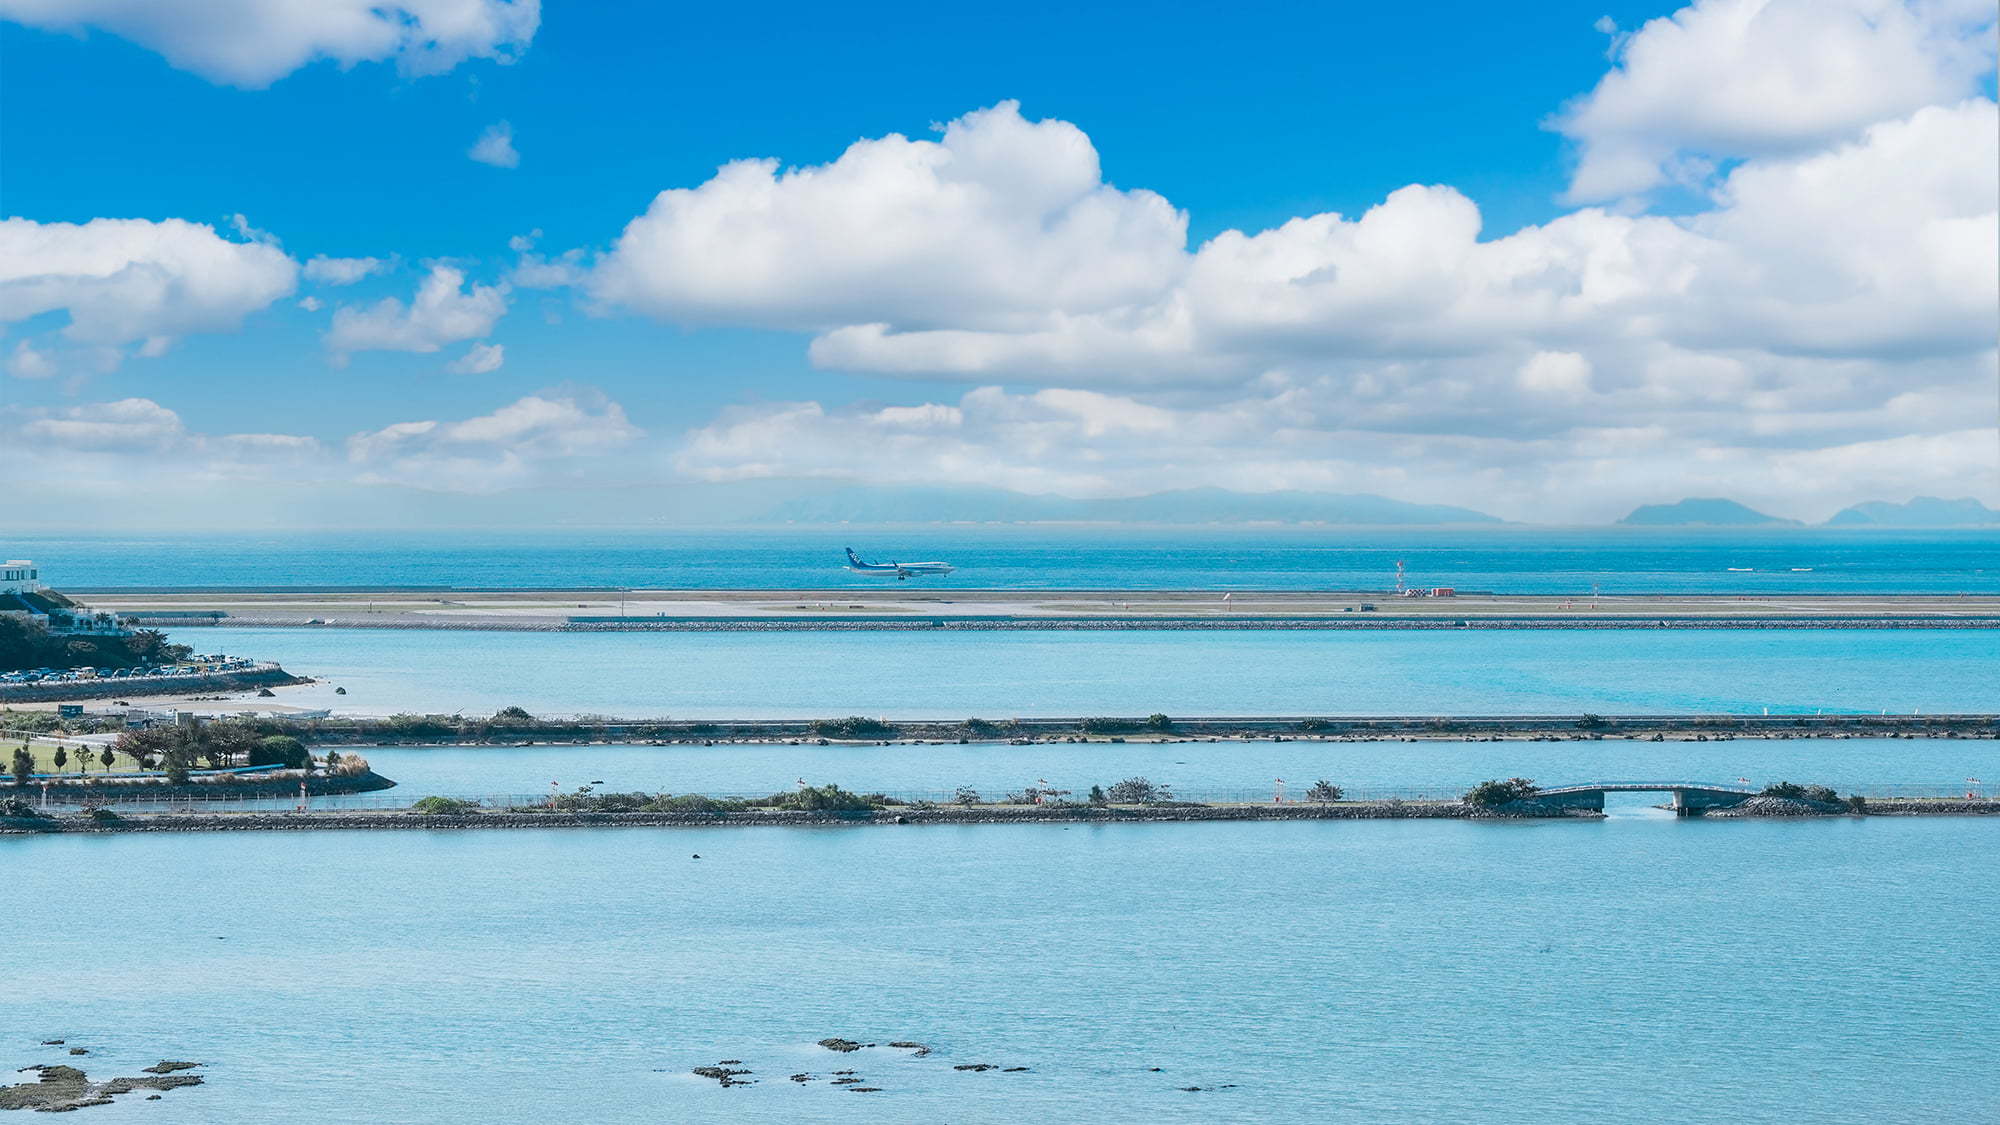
[[44, 754]]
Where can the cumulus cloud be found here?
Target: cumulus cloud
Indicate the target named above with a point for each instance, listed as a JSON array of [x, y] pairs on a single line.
[[1725, 79], [537, 439], [480, 359], [253, 43], [133, 281], [28, 362], [444, 311], [512, 446], [343, 271], [496, 147], [1000, 219]]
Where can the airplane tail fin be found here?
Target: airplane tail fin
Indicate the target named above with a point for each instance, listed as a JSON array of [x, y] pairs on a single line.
[[853, 558]]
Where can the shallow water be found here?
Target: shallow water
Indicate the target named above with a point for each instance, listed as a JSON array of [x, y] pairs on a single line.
[[1826, 971], [1138, 672]]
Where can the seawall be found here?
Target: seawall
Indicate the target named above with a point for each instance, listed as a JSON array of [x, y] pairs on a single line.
[[434, 730], [1018, 814], [262, 675]]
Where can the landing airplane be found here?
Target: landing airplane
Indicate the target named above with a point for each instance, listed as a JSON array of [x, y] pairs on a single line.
[[900, 570]]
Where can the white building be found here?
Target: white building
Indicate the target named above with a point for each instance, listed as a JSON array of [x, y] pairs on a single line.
[[19, 576]]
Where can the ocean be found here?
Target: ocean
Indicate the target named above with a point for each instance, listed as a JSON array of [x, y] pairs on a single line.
[[1518, 560], [1000, 675], [1451, 972]]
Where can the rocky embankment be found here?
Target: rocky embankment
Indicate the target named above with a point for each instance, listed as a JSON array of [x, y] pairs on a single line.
[[390, 820], [261, 676]]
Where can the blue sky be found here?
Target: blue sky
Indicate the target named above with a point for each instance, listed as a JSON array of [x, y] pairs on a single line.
[[1242, 117]]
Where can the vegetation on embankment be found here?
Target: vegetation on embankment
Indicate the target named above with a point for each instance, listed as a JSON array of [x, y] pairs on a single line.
[[514, 725]]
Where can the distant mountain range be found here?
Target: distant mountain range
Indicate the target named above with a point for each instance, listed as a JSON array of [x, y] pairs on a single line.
[[1706, 512], [1924, 511]]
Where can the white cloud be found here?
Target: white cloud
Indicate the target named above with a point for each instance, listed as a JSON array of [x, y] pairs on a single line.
[[496, 147], [444, 311], [1724, 79], [512, 446], [253, 43], [137, 442], [29, 363], [1561, 373], [123, 282], [1096, 445], [1000, 219], [480, 359], [343, 271], [311, 304]]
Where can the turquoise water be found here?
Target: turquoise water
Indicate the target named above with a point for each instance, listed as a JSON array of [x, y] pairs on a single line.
[[1622, 971], [1519, 560], [1244, 769], [1002, 675]]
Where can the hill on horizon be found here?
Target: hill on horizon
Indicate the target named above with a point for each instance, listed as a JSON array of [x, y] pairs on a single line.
[[1921, 511], [940, 504], [1712, 511]]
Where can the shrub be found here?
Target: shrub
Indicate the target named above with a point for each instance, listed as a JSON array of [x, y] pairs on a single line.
[[1784, 789], [1157, 721], [1137, 791], [442, 806], [1591, 722], [513, 715], [1492, 794], [966, 795], [692, 803], [1311, 725], [1822, 794], [1097, 797], [853, 726], [1324, 792], [1101, 725], [1857, 803], [284, 750], [827, 798], [15, 806], [979, 726]]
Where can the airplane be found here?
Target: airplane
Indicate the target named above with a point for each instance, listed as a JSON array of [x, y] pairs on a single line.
[[900, 570]]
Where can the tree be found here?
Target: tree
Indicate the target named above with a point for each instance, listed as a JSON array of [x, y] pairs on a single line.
[[1324, 792], [1591, 722], [1157, 721], [966, 795], [178, 761], [332, 760], [61, 759], [1097, 796], [282, 750], [513, 714], [108, 757], [1493, 794], [1137, 791], [24, 766]]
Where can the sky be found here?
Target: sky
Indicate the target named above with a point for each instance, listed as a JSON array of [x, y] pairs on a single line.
[[1548, 261]]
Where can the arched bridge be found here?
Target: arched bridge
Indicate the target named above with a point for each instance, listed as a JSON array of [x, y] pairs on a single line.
[[1690, 798]]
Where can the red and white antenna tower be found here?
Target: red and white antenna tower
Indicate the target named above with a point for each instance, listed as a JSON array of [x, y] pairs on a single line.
[[1399, 576]]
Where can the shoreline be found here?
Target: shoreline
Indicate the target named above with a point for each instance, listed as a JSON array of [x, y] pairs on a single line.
[[403, 820]]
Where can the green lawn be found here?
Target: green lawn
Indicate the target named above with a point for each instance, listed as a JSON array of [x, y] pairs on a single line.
[[44, 753]]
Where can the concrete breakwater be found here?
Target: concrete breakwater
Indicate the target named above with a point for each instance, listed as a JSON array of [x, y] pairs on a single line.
[[431, 730], [262, 675], [1013, 814]]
